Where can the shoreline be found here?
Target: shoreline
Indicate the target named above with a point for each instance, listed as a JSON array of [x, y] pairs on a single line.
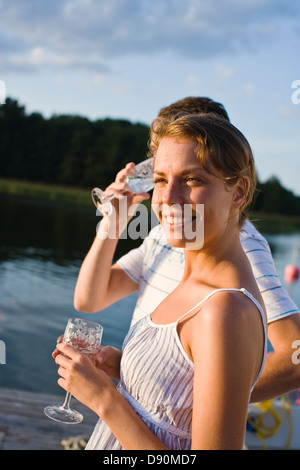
[[46, 192], [80, 197]]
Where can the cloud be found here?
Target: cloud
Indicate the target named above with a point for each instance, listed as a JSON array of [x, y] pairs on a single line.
[[87, 34], [39, 57], [224, 72], [249, 89], [193, 79], [289, 111]]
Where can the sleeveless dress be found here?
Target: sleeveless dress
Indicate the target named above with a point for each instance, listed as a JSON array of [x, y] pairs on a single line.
[[157, 381]]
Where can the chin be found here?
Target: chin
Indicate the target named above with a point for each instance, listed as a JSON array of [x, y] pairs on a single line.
[[176, 243], [186, 244], [185, 237]]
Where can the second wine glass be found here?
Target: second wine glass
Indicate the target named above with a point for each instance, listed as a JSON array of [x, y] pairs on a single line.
[[140, 180], [85, 336]]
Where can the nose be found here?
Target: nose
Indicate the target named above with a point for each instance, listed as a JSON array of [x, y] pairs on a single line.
[[172, 194]]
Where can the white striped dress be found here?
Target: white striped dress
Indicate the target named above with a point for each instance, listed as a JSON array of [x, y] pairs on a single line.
[[157, 381]]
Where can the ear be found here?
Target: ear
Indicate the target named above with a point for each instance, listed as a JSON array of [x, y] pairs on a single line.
[[240, 192]]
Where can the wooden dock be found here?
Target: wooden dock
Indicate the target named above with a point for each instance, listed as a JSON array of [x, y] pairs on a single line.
[[23, 425]]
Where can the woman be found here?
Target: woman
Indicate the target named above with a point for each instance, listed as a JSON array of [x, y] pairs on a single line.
[[188, 369]]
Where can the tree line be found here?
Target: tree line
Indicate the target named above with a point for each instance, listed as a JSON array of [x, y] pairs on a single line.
[[72, 150], [65, 149]]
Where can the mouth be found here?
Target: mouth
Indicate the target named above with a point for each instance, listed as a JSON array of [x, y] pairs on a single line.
[[176, 221], [184, 227], [181, 222]]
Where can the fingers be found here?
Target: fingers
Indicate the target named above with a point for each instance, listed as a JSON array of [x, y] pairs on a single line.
[[67, 357], [124, 172], [59, 340], [104, 354], [117, 189], [66, 350], [63, 362], [119, 186]]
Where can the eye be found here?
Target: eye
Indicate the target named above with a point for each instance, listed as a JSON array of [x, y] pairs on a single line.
[[159, 180], [193, 180]]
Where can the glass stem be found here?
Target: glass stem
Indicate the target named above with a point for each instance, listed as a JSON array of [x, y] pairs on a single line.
[[66, 404]]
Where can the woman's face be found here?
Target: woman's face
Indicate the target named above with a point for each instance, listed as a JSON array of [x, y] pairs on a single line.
[[184, 192]]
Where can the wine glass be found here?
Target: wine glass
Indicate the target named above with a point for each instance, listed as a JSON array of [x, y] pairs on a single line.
[[140, 180], [85, 336]]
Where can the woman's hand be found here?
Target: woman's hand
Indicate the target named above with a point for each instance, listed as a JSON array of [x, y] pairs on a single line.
[[108, 359], [79, 376], [58, 341], [92, 387]]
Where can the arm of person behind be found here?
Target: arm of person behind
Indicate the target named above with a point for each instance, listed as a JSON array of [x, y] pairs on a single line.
[[280, 375], [100, 282]]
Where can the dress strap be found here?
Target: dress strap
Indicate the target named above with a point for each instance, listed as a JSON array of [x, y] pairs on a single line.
[[263, 319], [207, 297], [258, 306]]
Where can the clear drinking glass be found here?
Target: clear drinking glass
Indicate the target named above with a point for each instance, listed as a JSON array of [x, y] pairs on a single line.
[[140, 180], [85, 336]]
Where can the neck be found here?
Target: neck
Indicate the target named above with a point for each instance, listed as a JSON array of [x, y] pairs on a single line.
[[216, 261]]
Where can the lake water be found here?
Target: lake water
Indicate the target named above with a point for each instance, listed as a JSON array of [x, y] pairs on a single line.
[[41, 249]]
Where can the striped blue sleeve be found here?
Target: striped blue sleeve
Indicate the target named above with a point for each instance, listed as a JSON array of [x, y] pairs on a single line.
[[276, 298], [133, 261]]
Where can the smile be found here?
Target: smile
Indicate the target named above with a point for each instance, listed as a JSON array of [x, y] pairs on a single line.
[[176, 221]]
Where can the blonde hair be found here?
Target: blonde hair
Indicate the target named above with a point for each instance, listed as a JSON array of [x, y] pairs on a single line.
[[220, 146]]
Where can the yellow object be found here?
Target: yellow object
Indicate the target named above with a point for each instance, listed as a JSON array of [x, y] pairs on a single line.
[[267, 409]]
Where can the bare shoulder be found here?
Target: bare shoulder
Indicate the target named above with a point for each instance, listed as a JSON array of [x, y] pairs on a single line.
[[229, 323], [230, 307]]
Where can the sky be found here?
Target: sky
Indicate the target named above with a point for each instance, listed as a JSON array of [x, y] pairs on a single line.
[[128, 58]]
